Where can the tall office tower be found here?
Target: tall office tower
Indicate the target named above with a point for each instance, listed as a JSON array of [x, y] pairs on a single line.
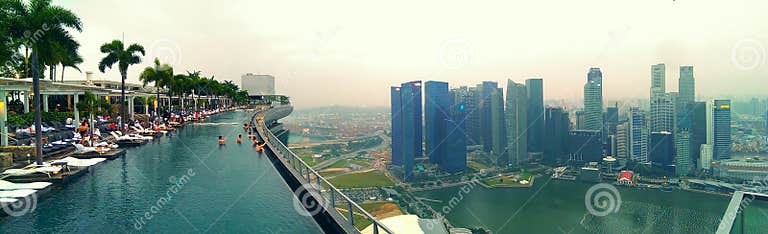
[[455, 159], [698, 131], [410, 97], [486, 89], [437, 102], [498, 132], [658, 79], [638, 136], [611, 119], [722, 129], [710, 124], [516, 117], [622, 140], [593, 100], [663, 112], [706, 156], [397, 126], [556, 128], [687, 84], [662, 148], [765, 118], [535, 91], [468, 97], [683, 152]]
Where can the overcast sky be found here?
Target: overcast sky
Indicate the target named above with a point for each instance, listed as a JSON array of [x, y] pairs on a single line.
[[350, 52]]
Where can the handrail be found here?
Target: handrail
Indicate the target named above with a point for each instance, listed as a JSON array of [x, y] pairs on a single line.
[[272, 138]]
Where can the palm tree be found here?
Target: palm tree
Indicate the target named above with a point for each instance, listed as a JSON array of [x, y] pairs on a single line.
[[160, 74], [124, 57], [43, 25], [70, 60]]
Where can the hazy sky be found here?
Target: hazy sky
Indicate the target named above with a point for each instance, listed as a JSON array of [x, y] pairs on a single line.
[[350, 52]]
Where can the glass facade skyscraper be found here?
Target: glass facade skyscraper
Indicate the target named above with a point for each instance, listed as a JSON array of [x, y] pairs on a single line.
[[593, 100], [722, 129], [396, 111], [516, 122], [486, 90], [437, 101], [411, 125], [556, 128], [535, 110], [498, 132], [638, 136], [455, 151]]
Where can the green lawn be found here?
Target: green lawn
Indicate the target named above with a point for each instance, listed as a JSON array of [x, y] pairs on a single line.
[[346, 163], [362, 180], [507, 180]]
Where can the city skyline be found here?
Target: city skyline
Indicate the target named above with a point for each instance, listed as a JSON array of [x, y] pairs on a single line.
[[363, 55]]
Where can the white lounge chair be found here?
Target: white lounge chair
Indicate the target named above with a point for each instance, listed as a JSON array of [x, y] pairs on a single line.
[[19, 193], [76, 162], [6, 185]]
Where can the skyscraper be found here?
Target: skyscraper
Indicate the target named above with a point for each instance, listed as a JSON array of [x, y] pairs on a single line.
[[468, 96], [486, 89], [698, 131], [658, 79], [396, 112], [593, 100], [722, 129], [611, 119], [410, 98], [663, 112], [498, 132], [687, 85], [556, 128], [662, 149], [455, 151], [516, 117], [436, 111], [585, 145], [638, 136], [622, 140], [683, 152], [535, 110]]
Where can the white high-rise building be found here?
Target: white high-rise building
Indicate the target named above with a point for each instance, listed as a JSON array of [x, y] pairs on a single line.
[[706, 156], [258, 85], [658, 79], [663, 112]]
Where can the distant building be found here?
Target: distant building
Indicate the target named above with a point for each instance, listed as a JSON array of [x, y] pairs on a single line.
[[622, 141], [722, 129], [437, 102], [593, 100], [516, 122], [585, 146], [706, 157], [486, 89], [258, 85], [498, 131], [611, 119], [698, 118], [410, 124], [662, 149], [396, 110], [638, 136], [556, 129], [470, 98], [535, 98], [663, 112], [658, 79], [687, 84], [738, 171], [683, 152], [455, 159]]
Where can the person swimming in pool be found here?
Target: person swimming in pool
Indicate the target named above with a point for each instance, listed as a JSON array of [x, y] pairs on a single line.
[[239, 138], [222, 140]]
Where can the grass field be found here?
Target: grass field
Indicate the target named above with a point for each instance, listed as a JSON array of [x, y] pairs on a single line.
[[509, 180], [362, 180], [348, 162], [380, 210]]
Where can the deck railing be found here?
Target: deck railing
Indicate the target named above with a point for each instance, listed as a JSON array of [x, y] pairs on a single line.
[[333, 199], [746, 213]]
